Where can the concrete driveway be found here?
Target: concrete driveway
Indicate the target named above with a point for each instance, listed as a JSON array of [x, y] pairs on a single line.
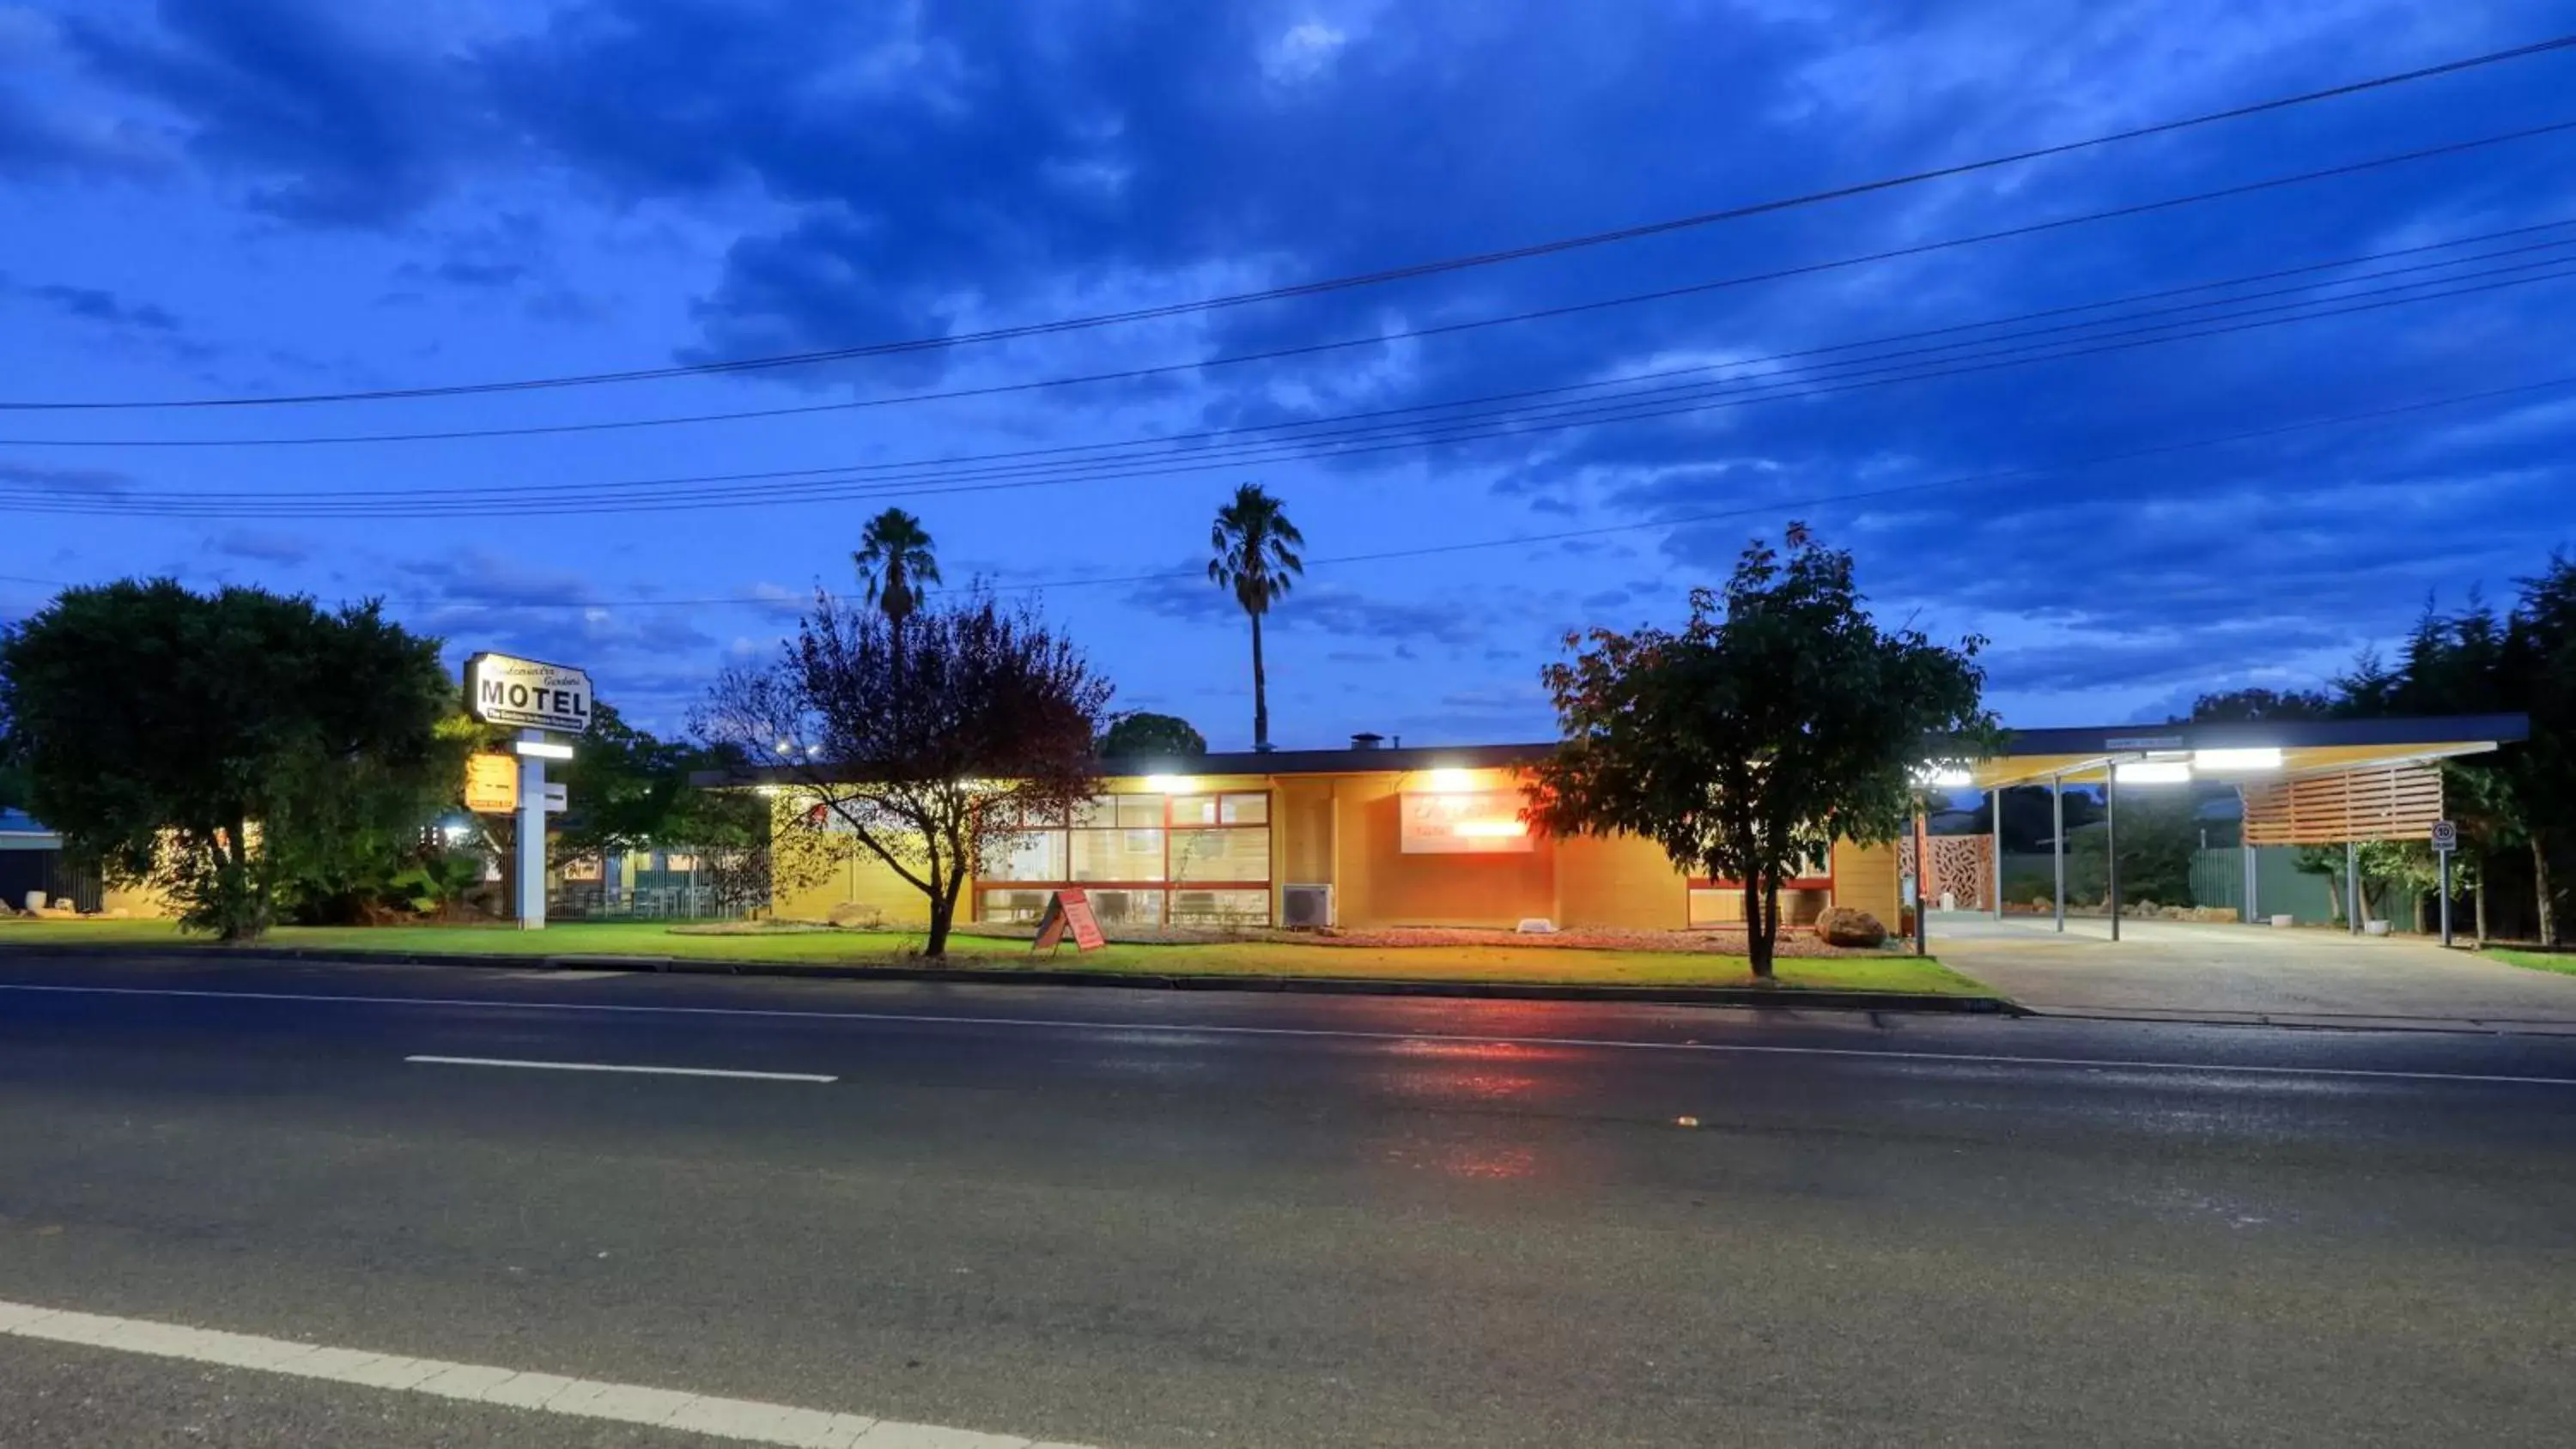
[[2187, 971]]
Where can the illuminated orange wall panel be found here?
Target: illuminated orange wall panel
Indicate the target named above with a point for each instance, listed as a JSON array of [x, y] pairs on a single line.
[[1865, 877], [1380, 885], [1624, 882]]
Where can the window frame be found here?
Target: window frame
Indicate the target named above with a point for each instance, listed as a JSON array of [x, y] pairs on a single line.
[[1064, 828]]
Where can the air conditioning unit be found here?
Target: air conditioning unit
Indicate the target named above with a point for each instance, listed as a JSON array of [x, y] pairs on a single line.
[[1306, 907]]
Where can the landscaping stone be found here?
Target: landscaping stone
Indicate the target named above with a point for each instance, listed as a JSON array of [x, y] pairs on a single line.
[[1849, 926]]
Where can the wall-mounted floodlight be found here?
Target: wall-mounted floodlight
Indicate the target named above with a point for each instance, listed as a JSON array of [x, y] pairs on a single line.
[[541, 749], [1169, 784], [1945, 777], [1451, 781], [2267, 757], [2154, 772]]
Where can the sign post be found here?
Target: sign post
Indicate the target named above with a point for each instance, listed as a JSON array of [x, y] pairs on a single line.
[[535, 697], [1068, 908], [2446, 839]]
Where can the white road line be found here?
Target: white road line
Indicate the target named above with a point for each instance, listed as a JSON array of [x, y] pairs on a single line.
[[1993, 1059], [611, 1067], [744, 1419]]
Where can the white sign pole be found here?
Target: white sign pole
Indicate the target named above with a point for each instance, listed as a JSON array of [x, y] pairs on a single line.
[[532, 837]]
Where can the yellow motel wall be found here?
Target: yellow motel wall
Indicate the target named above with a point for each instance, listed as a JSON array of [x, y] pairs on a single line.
[[862, 887], [1345, 831]]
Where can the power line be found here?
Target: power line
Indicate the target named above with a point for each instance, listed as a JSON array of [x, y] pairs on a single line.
[[1308, 349], [1366, 279], [2368, 415], [1124, 453], [1642, 406]]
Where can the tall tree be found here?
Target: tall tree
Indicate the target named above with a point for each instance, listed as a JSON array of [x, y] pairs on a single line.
[[2537, 667], [1256, 560], [2252, 706], [225, 747], [929, 740], [1144, 735], [895, 562], [1780, 719]]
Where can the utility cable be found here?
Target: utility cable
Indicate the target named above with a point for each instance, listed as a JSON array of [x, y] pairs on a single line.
[[1303, 350], [1436, 267]]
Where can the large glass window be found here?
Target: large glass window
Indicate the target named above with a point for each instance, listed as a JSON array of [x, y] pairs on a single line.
[[1117, 855], [1229, 856], [1201, 859], [1028, 855]]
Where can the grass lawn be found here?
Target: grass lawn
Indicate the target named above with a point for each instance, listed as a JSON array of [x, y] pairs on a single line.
[[1552, 965], [2562, 962]]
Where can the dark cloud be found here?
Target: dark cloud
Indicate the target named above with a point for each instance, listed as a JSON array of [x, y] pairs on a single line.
[[76, 480], [262, 547], [1322, 607], [149, 323], [333, 127]]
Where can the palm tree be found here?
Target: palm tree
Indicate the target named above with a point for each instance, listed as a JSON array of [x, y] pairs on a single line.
[[894, 561], [1256, 559]]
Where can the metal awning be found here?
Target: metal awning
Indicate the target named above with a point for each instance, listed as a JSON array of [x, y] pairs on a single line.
[[2237, 754]]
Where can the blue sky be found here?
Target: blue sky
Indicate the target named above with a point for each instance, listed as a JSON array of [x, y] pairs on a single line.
[[219, 198]]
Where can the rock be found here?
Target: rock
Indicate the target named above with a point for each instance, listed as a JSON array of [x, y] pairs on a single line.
[[1850, 926]]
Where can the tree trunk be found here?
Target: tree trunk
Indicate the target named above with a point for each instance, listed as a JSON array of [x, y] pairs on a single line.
[[943, 912], [241, 918], [1770, 920], [1757, 933], [2478, 891], [2540, 890], [1260, 692]]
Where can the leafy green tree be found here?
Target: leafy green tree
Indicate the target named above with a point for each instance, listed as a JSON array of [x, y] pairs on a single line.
[[2253, 706], [627, 790], [2158, 828], [1146, 736], [928, 739], [1781, 718], [1256, 561], [895, 561], [225, 747], [2536, 666]]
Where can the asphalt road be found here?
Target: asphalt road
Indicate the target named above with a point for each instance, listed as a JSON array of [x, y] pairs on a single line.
[[1141, 1220]]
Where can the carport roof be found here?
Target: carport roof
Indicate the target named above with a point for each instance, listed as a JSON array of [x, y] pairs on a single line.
[[2085, 754]]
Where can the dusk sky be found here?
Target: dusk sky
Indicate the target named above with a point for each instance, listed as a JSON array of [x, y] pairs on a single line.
[[226, 199]]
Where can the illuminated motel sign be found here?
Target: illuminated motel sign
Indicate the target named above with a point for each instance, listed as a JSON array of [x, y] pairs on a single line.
[[503, 690]]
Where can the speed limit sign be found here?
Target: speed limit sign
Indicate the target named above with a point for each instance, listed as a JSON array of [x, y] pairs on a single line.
[[2446, 836]]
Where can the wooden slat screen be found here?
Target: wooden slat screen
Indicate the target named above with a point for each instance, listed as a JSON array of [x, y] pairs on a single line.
[[2400, 802]]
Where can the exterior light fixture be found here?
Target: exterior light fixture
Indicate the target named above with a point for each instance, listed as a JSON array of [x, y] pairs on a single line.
[[1452, 781], [2154, 772], [1945, 777], [2265, 758]]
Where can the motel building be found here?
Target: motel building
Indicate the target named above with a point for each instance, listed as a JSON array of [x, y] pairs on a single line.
[[1372, 837]]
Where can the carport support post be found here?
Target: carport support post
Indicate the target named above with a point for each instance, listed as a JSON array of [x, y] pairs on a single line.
[[2111, 841], [1995, 800], [2246, 859], [2057, 842], [2352, 883]]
